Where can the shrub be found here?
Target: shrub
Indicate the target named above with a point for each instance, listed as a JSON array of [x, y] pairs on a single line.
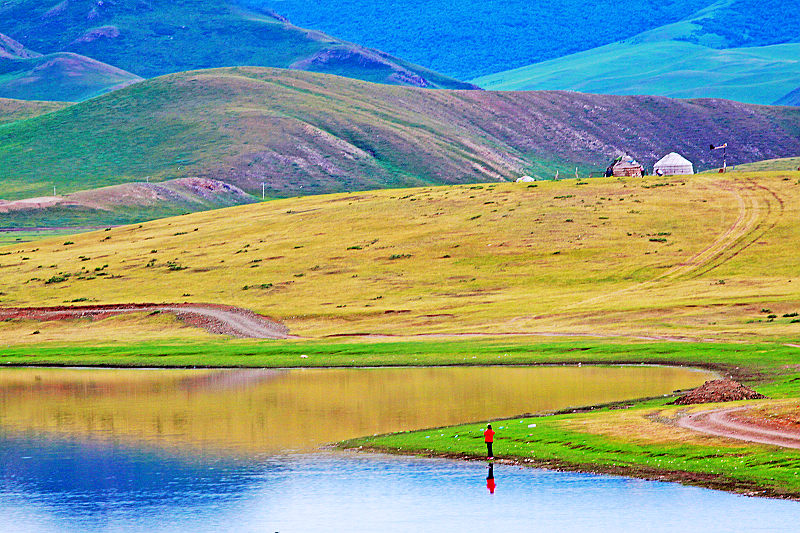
[[58, 278]]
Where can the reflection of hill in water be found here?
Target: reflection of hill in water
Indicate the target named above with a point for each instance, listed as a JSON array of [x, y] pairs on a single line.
[[70, 382], [270, 411]]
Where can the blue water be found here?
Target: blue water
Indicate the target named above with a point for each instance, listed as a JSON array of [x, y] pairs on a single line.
[[55, 485]]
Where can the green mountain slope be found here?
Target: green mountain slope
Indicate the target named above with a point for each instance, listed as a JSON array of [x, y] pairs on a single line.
[[677, 69], [736, 49], [163, 36], [60, 76], [122, 204], [304, 133], [11, 110]]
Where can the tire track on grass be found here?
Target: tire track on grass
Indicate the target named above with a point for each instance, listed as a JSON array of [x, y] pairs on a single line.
[[755, 217]]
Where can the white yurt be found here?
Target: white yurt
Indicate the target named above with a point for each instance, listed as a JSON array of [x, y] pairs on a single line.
[[525, 179], [672, 164]]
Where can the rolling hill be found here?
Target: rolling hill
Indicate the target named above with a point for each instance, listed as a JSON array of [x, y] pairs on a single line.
[[678, 69], [607, 257], [29, 75], [11, 110], [122, 204], [304, 133], [744, 50], [61, 76], [162, 36], [786, 163]]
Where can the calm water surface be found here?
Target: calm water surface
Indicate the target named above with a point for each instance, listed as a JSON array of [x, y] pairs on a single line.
[[155, 450]]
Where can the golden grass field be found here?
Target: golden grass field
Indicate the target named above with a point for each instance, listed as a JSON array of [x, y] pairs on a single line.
[[699, 257]]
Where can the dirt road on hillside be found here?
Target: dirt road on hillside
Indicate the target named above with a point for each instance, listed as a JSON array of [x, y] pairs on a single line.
[[221, 319], [721, 422]]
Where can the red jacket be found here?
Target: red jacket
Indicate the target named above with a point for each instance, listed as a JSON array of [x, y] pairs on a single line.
[[488, 435]]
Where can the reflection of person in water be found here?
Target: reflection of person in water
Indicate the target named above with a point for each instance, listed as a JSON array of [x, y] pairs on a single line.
[[490, 479], [488, 437]]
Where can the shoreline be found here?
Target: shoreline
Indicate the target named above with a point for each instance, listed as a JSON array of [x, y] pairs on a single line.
[[702, 480]]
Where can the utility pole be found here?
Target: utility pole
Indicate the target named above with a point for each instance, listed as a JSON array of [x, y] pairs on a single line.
[[724, 148], [54, 190], [263, 190]]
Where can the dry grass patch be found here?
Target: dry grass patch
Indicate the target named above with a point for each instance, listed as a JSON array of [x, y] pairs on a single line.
[[497, 258]]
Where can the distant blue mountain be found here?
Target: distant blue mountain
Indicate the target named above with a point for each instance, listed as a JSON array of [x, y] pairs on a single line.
[[470, 38]]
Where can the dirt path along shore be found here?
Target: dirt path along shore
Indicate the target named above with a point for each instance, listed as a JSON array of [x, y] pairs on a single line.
[[720, 422], [215, 318]]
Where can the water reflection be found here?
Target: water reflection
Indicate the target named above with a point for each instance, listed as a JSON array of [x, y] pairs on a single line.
[[341, 492], [490, 484], [126, 450], [274, 411]]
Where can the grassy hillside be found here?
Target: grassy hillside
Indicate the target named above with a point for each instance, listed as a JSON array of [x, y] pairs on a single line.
[[60, 76], [122, 204], [677, 69], [786, 163], [607, 257], [736, 49], [163, 36], [303, 133], [11, 110]]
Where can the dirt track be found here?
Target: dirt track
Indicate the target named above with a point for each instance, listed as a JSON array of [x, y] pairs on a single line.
[[719, 422], [221, 319], [759, 209]]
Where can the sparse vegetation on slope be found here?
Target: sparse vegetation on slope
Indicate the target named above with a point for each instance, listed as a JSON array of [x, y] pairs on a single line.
[[490, 259], [304, 133]]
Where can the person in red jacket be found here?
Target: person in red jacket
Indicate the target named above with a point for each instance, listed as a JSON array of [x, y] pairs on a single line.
[[490, 484], [488, 437]]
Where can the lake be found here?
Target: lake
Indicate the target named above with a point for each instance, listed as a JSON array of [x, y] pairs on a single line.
[[223, 450]]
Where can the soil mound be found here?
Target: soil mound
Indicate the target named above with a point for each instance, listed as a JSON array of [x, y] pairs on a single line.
[[718, 390]]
